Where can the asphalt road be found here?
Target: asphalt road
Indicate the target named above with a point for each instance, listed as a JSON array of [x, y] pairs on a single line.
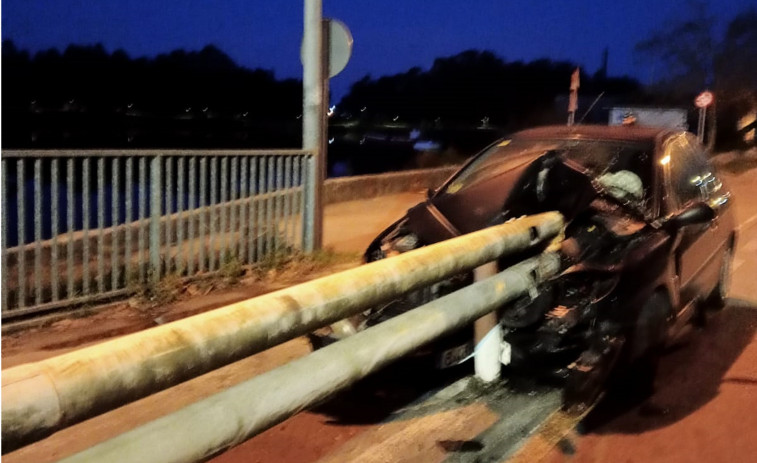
[[705, 404], [703, 410]]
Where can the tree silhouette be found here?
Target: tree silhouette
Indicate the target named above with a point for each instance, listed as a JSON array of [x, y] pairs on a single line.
[[472, 86], [695, 58], [86, 97]]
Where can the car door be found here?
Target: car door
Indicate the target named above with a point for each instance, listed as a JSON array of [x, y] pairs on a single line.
[[689, 178]]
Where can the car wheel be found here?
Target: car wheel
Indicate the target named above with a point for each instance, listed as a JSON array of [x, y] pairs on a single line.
[[647, 340], [649, 333], [716, 300]]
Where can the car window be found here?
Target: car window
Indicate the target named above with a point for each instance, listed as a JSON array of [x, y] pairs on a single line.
[[691, 177], [497, 159]]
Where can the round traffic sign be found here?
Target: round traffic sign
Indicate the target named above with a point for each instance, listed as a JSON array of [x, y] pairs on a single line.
[[340, 46], [704, 99]]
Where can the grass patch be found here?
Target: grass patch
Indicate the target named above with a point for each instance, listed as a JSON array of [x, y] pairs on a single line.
[[298, 264], [153, 292]]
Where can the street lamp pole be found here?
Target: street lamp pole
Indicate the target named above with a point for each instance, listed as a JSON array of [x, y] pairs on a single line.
[[314, 94]]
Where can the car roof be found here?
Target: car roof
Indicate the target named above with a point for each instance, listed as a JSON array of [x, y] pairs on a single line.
[[598, 132]]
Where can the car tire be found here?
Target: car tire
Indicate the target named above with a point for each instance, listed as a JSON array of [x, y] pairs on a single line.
[[649, 333], [717, 299], [647, 341]]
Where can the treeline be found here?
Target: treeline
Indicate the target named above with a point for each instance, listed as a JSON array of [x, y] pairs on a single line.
[[692, 53], [86, 97], [478, 88]]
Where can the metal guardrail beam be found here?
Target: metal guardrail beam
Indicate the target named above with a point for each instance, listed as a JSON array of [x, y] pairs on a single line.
[[41, 397], [210, 426]]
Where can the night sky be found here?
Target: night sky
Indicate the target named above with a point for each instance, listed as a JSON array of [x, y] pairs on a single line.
[[390, 35]]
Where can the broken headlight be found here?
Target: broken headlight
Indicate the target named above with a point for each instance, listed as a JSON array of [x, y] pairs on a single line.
[[576, 295]]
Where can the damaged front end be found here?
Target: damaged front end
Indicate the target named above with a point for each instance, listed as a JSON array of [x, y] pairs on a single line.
[[566, 325], [548, 332], [571, 328]]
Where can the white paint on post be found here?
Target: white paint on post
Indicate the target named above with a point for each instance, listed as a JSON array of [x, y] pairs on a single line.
[[488, 335]]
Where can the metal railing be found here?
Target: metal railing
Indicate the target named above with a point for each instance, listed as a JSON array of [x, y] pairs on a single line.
[[85, 225]]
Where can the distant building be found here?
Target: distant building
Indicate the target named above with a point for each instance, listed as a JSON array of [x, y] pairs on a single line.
[[676, 118]]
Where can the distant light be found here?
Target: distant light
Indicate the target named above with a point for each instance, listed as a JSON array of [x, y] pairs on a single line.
[[331, 110], [331, 140], [665, 160], [363, 109], [395, 118], [299, 116]]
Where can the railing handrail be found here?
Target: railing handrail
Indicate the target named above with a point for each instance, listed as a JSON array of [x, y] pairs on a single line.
[[132, 152], [51, 195]]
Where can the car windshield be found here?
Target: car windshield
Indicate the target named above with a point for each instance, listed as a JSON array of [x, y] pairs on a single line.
[[497, 159], [620, 169]]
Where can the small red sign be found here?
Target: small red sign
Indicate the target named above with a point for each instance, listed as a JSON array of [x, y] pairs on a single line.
[[704, 99]]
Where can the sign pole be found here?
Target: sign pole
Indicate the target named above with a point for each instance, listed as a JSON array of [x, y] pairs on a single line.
[[575, 82], [313, 111], [703, 101]]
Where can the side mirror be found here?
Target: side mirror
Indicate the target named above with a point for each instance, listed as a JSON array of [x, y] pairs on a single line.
[[696, 213]]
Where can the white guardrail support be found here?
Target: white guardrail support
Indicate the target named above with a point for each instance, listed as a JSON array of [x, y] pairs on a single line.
[[210, 426], [487, 335], [41, 397]]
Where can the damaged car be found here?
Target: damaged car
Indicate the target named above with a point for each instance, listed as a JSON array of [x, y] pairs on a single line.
[[647, 248]]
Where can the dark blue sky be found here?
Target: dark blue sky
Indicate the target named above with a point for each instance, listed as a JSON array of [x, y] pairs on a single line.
[[390, 35]]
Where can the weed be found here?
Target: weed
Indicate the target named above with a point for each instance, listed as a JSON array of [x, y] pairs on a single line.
[[291, 265], [155, 292], [231, 268]]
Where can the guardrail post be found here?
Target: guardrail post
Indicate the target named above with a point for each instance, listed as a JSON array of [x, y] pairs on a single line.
[[487, 335], [156, 195]]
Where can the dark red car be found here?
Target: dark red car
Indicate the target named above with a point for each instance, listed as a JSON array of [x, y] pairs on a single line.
[[648, 245]]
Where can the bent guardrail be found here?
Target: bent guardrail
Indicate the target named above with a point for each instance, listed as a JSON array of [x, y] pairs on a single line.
[[41, 397], [210, 426]]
